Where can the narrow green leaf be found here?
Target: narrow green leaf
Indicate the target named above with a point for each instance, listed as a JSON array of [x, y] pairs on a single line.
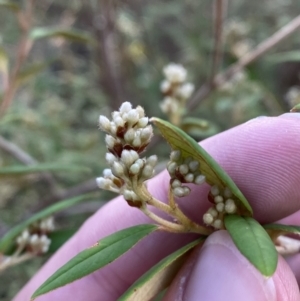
[[253, 242], [279, 229], [72, 35], [296, 108], [8, 240], [58, 238], [287, 56], [214, 174], [88, 261], [159, 276], [10, 5], [21, 169]]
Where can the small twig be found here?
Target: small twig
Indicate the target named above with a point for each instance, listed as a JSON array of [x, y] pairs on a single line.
[[219, 7], [24, 19], [11, 261], [19, 154], [247, 59]]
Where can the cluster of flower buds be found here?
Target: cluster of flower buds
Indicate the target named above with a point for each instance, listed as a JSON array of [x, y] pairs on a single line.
[[35, 238], [293, 96], [183, 171], [235, 33], [223, 204], [128, 134], [175, 89]]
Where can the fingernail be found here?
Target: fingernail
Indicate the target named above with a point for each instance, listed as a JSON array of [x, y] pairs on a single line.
[[290, 115], [222, 273]]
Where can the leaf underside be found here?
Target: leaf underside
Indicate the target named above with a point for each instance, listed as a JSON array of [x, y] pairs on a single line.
[[88, 261], [8, 240], [159, 276], [214, 174], [253, 242]]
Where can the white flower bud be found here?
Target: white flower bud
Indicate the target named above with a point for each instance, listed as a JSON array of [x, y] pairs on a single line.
[[119, 122], [104, 123], [152, 160], [230, 206], [165, 86], [140, 162], [129, 135], [135, 156], [148, 171], [185, 91], [140, 111], [215, 190], [102, 183], [47, 224], [178, 191], [175, 73], [213, 212], [137, 142], [135, 169], [189, 178], [110, 141], [218, 224], [176, 183], [146, 133], [194, 165], [208, 218], [117, 169], [107, 173], [125, 107], [218, 199], [143, 122], [110, 158], [113, 128], [220, 207], [127, 195], [200, 179], [133, 116], [186, 190], [183, 169], [127, 158], [175, 155], [171, 168], [23, 238]]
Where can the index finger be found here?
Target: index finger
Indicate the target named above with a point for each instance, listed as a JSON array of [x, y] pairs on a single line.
[[259, 156]]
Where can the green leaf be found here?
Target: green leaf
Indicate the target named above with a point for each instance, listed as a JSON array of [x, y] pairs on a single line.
[[32, 71], [279, 229], [214, 174], [21, 169], [10, 5], [198, 128], [159, 276], [88, 261], [8, 240], [58, 238], [71, 35], [296, 108], [253, 242]]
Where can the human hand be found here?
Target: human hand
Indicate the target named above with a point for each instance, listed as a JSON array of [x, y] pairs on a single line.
[[261, 157]]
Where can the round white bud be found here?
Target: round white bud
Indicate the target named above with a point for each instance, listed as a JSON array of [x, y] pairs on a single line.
[[117, 169], [215, 190], [152, 160], [186, 190], [104, 123], [178, 191], [175, 155], [220, 207], [185, 91], [189, 178], [227, 193], [175, 73], [208, 218], [183, 169], [101, 182], [194, 165], [110, 158], [165, 86], [133, 116], [107, 173], [135, 169], [125, 107], [119, 122], [127, 158], [140, 162], [218, 199], [148, 171], [171, 168], [110, 141], [137, 142], [143, 122], [176, 183], [129, 135], [200, 179], [213, 212], [218, 224], [140, 111], [230, 206]]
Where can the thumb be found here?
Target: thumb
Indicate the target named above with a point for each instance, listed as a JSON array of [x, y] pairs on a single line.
[[219, 272]]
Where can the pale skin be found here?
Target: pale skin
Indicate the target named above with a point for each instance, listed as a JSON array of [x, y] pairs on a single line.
[[262, 157]]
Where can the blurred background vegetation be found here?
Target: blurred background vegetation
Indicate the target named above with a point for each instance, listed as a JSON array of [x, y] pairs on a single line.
[[62, 63]]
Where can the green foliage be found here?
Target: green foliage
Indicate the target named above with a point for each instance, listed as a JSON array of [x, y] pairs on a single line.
[[101, 254]]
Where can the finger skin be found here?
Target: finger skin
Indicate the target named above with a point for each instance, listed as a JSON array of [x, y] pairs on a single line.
[[218, 272], [259, 156]]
